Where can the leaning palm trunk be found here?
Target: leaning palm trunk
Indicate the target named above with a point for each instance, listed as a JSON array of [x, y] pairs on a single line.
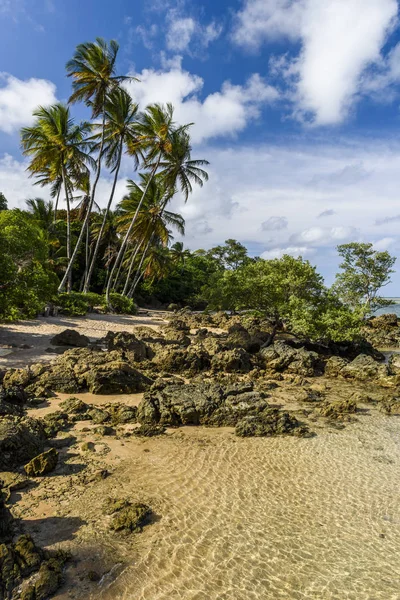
[[129, 231], [138, 272], [69, 276], [103, 225], [132, 262], [89, 210]]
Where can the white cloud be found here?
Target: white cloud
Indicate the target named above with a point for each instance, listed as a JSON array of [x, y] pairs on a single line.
[[295, 251], [184, 31], [19, 98], [339, 40], [384, 244], [251, 184], [180, 33], [222, 113]]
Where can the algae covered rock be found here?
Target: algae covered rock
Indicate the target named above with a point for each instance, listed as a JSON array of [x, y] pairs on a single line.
[[42, 464], [147, 430], [338, 409], [270, 422], [129, 343], [5, 517], [70, 337], [232, 361], [364, 368], [176, 360], [283, 357], [20, 440], [131, 517]]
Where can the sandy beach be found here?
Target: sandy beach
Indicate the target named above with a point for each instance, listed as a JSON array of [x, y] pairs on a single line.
[[234, 519]]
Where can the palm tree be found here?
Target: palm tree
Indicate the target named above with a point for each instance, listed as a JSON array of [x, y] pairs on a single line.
[[58, 148], [93, 71], [42, 212], [179, 169], [152, 219], [119, 131], [178, 253], [154, 137]]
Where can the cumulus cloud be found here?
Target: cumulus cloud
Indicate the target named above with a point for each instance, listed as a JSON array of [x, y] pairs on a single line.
[[274, 224], [19, 98], [295, 251], [334, 53], [183, 30], [384, 244], [222, 113]]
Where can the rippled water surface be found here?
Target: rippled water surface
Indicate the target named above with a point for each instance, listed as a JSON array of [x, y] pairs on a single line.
[[269, 518]]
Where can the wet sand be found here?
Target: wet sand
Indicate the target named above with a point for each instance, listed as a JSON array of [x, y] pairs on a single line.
[[236, 519]]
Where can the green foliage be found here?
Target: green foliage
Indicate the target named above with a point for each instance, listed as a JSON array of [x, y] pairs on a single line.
[[364, 272], [26, 280], [231, 255], [78, 304], [121, 304], [3, 202], [290, 293]]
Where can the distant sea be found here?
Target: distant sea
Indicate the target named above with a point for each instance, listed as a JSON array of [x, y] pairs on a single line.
[[393, 309]]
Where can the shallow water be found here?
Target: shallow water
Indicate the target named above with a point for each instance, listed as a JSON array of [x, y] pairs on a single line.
[[281, 518]]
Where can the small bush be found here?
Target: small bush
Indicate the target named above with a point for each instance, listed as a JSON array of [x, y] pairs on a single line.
[[123, 305], [73, 304]]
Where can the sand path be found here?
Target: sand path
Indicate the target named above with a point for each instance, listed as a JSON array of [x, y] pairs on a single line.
[[27, 342]]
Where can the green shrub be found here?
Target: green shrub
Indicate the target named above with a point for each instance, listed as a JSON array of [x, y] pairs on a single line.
[[123, 305], [73, 304]]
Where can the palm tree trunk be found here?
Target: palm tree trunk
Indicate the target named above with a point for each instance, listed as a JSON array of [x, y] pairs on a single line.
[[98, 241], [139, 245], [89, 210], [129, 231], [56, 206], [68, 228], [138, 272]]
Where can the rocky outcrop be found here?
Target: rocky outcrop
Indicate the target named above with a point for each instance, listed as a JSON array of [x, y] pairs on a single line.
[[232, 361], [42, 464], [81, 370], [19, 560], [383, 331], [362, 368], [135, 349], [70, 337], [177, 360], [213, 405], [283, 357], [270, 422]]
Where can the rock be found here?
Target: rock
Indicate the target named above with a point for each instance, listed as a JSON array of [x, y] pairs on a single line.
[[239, 337], [131, 517], [20, 440], [334, 366], [390, 406], [283, 357], [364, 368], [337, 409], [70, 337], [176, 360], [177, 337], [87, 447], [387, 321], [20, 560], [178, 325], [232, 361], [5, 519], [270, 422], [134, 348], [55, 422], [98, 416], [104, 430], [394, 364], [146, 430], [42, 464], [121, 413], [74, 406], [83, 369]]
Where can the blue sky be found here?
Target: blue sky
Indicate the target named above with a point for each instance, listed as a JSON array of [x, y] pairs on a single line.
[[295, 104]]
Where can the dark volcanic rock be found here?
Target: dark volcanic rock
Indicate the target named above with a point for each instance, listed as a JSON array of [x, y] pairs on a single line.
[[213, 405], [134, 348], [283, 357], [20, 440], [270, 422], [70, 337], [176, 360], [232, 361]]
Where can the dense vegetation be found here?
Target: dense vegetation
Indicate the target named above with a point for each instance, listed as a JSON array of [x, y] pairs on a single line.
[[83, 256]]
